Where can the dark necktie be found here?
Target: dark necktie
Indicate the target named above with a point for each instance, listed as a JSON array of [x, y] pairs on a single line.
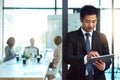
[[87, 42], [88, 66]]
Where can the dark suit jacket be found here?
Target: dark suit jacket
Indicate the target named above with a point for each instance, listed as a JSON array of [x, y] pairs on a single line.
[[74, 51]]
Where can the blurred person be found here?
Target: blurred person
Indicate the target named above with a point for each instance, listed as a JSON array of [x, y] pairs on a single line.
[[31, 49], [57, 52], [9, 51], [57, 55]]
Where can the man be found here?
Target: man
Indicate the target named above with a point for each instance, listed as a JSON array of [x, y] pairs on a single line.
[[75, 50], [31, 49]]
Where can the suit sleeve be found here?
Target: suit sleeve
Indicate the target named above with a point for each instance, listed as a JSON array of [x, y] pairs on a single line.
[[105, 49], [70, 51]]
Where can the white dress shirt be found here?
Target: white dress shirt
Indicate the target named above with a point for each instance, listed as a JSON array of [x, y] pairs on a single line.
[[90, 39]]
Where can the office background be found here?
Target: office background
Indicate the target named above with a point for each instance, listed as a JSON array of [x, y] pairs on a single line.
[[24, 19]]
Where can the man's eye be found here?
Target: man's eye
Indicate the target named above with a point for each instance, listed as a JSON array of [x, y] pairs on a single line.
[[87, 21], [94, 22]]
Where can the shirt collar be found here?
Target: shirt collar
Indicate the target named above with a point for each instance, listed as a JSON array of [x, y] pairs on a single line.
[[83, 31], [31, 46]]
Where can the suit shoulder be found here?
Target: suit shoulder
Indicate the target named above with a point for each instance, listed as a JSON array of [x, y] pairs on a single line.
[[27, 47], [99, 34], [36, 47], [73, 33], [72, 36]]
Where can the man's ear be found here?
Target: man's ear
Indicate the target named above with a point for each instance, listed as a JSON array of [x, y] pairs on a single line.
[[81, 19]]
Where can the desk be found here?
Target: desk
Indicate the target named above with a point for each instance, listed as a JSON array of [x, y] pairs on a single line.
[[13, 70]]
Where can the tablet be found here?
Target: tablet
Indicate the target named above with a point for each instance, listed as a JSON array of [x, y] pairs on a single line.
[[105, 58]]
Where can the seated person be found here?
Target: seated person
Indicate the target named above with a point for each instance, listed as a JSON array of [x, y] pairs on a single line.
[[9, 51], [31, 50], [57, 52], [57, 55]]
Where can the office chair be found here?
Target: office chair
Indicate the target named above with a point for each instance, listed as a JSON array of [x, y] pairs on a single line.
[[54, 71]]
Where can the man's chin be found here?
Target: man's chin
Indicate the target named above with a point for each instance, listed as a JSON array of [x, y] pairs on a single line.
[[90, 30]]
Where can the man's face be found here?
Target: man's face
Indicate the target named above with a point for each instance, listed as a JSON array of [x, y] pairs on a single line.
[[89, 22], [32, 41]]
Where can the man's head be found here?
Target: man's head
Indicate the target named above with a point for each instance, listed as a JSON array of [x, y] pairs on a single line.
[[88, 17], [32, 41]]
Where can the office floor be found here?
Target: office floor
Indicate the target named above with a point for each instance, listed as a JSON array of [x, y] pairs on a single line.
[[116, 74], [58, 77], [107, 74]]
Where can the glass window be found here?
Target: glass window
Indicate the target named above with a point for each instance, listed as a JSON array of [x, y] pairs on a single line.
[[116, 32], [73, 22], [106, 3], [116, 3], [59, 11], [29, 3], [59, 3], [106, 25], [117, 43], [80, 3], [24, 24]]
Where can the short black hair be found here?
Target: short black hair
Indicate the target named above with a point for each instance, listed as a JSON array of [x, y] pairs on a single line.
[[88, 10]]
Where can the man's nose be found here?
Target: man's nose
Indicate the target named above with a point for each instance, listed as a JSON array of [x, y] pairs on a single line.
[[90, 24]]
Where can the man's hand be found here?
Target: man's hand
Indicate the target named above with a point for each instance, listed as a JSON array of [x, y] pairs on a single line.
[[92, 54], [99, 64]]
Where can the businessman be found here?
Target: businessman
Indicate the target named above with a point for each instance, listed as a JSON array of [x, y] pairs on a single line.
[[81, 45], [31, 49]]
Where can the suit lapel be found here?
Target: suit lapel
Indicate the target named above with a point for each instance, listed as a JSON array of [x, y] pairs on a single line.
[[81, 38], [94, 40]]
